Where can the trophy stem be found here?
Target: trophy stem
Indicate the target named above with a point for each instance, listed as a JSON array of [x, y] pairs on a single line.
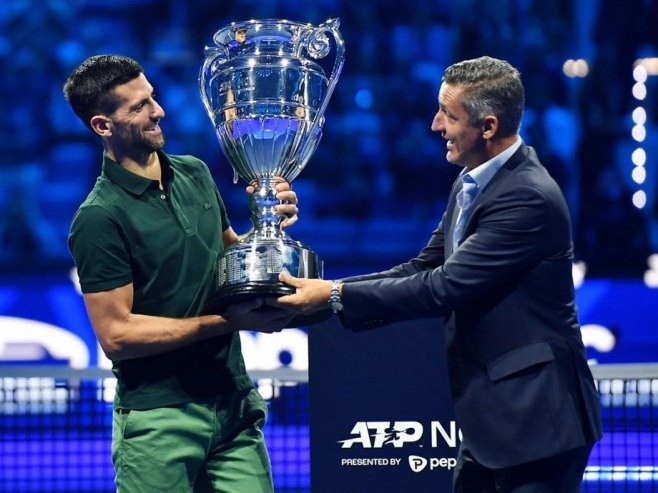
[[264, 217]]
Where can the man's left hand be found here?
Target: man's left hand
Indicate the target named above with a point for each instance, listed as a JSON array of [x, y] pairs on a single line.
[[288, 206]]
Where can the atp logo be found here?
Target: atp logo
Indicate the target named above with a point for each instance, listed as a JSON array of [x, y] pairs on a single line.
[[397, 434], [417, 463], [377, 434]]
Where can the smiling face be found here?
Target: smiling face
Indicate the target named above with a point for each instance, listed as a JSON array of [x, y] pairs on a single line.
[[134, 124], [465, 143]]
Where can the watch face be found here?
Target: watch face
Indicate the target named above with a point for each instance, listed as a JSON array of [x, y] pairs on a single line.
[[336, 306]]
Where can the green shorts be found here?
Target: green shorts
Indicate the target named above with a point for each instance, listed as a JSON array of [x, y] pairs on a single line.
[[213, 447]]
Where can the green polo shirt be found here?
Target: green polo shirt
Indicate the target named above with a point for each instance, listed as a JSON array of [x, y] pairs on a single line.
[[166, 244]]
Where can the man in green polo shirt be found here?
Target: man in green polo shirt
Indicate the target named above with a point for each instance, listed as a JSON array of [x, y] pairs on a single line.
[[145, 243]]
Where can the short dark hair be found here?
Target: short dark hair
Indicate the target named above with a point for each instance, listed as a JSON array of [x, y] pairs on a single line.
[[491, 87], [89, 87]]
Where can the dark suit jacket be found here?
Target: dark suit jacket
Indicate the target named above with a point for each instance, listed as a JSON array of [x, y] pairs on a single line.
[[519, 378]]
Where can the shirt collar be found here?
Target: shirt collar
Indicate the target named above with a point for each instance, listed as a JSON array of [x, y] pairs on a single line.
[[483, 174], [128, 180]]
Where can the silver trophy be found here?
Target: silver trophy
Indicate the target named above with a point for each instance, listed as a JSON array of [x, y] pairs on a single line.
[[266, 96]]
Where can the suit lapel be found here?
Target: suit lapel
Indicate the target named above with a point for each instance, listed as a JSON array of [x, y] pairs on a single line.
[[522, 154], [451, 216]]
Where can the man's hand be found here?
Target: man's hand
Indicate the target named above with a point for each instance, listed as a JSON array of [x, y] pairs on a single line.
[[311, 294], [258, 315], [288, 206]]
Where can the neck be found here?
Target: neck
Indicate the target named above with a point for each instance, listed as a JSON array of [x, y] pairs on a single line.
[[496, 146], [490, 149], [145, 164]]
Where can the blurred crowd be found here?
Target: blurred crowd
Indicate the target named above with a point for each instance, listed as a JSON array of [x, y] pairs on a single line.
[[378, 181]]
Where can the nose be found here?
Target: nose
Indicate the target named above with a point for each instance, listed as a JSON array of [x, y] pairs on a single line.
[[158, 111], [437, 123]]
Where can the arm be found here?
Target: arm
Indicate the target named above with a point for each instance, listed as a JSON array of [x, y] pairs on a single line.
[[516, 231], [430, 257], [229, 236], [312, 294], [512, 234], [126, 335], [123, 334]]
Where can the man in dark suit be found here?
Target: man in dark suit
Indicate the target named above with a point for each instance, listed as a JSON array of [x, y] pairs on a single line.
[[498, 268]]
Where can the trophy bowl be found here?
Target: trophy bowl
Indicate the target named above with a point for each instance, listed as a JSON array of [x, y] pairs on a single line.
[[266, 93]]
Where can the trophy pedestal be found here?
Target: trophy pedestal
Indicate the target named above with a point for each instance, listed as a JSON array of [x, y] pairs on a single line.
[[250, 269]]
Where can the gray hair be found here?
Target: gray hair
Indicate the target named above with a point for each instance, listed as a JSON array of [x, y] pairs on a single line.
[[490, 87]]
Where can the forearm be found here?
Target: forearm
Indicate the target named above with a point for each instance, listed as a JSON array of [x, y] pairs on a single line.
[[137, 336]]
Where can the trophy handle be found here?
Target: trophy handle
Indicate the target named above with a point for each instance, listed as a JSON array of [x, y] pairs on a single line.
[[317, 46], [213, 55]]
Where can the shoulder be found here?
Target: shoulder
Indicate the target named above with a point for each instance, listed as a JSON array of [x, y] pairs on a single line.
[[525, 192], [102, 207], [100, 200], [92, 220], [190, 166], [524, 169], [186, 161]]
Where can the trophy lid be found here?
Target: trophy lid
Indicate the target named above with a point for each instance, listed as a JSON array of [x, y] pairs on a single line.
[[280, 34], [258, 30]]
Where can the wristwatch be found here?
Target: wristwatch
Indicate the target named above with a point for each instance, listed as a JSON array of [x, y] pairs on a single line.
[[335, 302]]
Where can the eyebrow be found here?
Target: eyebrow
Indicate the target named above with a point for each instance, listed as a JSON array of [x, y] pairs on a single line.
[[141, 102], [444, 108]]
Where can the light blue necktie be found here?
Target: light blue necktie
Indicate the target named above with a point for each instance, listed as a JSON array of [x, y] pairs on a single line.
[[465, 199]]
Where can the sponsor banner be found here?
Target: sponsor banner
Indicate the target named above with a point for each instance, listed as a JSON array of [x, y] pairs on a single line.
[[381, 416]]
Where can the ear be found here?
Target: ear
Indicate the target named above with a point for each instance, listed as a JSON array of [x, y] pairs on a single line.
[[102, 125], [489, 126]]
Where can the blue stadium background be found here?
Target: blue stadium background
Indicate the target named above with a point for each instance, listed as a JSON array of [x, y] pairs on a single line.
[[378, 183]]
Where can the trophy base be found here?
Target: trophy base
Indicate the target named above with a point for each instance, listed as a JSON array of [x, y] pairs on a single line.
[[250, 269], [261, 289]]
